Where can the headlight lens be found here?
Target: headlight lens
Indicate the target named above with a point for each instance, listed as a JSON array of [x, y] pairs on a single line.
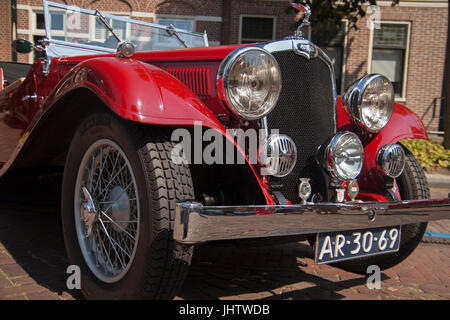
[[370, 101], [344, 156], [250, 82]]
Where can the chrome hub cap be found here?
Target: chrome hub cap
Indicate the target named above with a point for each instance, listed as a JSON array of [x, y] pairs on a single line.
[[120, 209], [107, 212]]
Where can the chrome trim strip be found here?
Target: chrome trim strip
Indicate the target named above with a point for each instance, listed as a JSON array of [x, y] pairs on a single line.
[[195, 223]]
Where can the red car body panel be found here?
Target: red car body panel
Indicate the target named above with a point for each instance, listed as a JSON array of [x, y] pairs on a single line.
[[140, 90]]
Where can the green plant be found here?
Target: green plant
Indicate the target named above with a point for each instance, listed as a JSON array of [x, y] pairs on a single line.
[[431, 155]]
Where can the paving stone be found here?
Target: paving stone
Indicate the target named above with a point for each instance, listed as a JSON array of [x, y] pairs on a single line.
[[15, 297], [4, 283], [5, 292], [43, 295], [13, 270], [5, 259]]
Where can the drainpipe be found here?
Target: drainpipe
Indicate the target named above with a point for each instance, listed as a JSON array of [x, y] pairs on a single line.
[[13, 27]]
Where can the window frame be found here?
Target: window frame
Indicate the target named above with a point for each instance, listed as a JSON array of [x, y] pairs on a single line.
[[241, 24], [341, 85], [41, 32], [402, 97]]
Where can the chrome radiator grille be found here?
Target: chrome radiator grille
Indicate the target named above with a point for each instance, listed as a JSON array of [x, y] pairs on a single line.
[[305, 112]]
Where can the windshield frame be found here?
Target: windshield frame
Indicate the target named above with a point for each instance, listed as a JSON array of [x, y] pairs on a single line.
[[97, 49]]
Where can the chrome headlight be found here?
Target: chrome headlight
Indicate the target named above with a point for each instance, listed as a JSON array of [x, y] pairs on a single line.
[[278, 155], [370, 101], [344, 156], [249, 81], [391, 160]]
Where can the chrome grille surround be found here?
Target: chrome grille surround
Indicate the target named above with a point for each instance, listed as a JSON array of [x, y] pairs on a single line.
[[307, 49]]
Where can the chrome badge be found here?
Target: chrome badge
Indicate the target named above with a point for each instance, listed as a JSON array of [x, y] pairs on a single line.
[[304, 189], [308, 50], [353, 190]]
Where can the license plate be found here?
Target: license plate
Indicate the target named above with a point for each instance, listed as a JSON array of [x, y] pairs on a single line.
[[345, 245]]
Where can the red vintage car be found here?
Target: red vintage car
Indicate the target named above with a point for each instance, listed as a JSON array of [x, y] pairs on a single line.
[[165, 143]]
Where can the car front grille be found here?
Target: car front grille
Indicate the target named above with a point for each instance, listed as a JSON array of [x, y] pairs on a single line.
[[305, 112]]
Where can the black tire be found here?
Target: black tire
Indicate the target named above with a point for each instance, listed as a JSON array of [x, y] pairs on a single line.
[[160, 265], [412, 185]]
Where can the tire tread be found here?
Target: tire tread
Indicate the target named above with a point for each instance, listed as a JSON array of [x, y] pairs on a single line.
[[167, 183]]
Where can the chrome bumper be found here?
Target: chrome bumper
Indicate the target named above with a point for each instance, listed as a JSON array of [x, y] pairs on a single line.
[[195, 223]]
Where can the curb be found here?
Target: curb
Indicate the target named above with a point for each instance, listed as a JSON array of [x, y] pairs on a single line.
[[436, 240], [438, 180]]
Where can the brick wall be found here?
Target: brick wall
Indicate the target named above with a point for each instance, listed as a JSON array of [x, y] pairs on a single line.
[[426, 51], [5, 30], [277, 9]]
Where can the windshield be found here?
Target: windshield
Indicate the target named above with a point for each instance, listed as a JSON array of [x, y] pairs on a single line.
[[74, 31]]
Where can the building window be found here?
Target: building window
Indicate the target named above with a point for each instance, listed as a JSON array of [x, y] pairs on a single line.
[[102, 33], [389, 54], [331, 39], [56, 20], [257, 29], [40, 21]]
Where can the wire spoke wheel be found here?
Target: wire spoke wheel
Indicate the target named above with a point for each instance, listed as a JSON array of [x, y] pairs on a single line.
[[119, 195], [107, 213]]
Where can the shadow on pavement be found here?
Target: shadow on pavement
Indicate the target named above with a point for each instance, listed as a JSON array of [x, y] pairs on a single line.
[[30, 228], [271, 272], [32, 235], [31, 231]]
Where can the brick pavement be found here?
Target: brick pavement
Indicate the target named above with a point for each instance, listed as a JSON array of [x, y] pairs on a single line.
[[33, 264], [288, 272]]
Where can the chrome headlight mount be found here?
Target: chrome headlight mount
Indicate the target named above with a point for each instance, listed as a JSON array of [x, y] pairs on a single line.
[[249, 82], [370, 102], [343, 157]]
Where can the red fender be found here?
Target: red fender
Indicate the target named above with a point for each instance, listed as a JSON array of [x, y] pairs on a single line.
[[139, 92], [136, 91], [403, 124]]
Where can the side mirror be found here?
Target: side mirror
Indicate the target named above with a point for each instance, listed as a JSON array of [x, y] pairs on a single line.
[[22, 46]]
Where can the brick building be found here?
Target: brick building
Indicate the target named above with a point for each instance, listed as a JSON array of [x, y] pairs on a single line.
[[408, 45]]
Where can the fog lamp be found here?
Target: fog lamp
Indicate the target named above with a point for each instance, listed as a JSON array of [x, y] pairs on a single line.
[[278, 155], [391, 160], [344, 156]]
